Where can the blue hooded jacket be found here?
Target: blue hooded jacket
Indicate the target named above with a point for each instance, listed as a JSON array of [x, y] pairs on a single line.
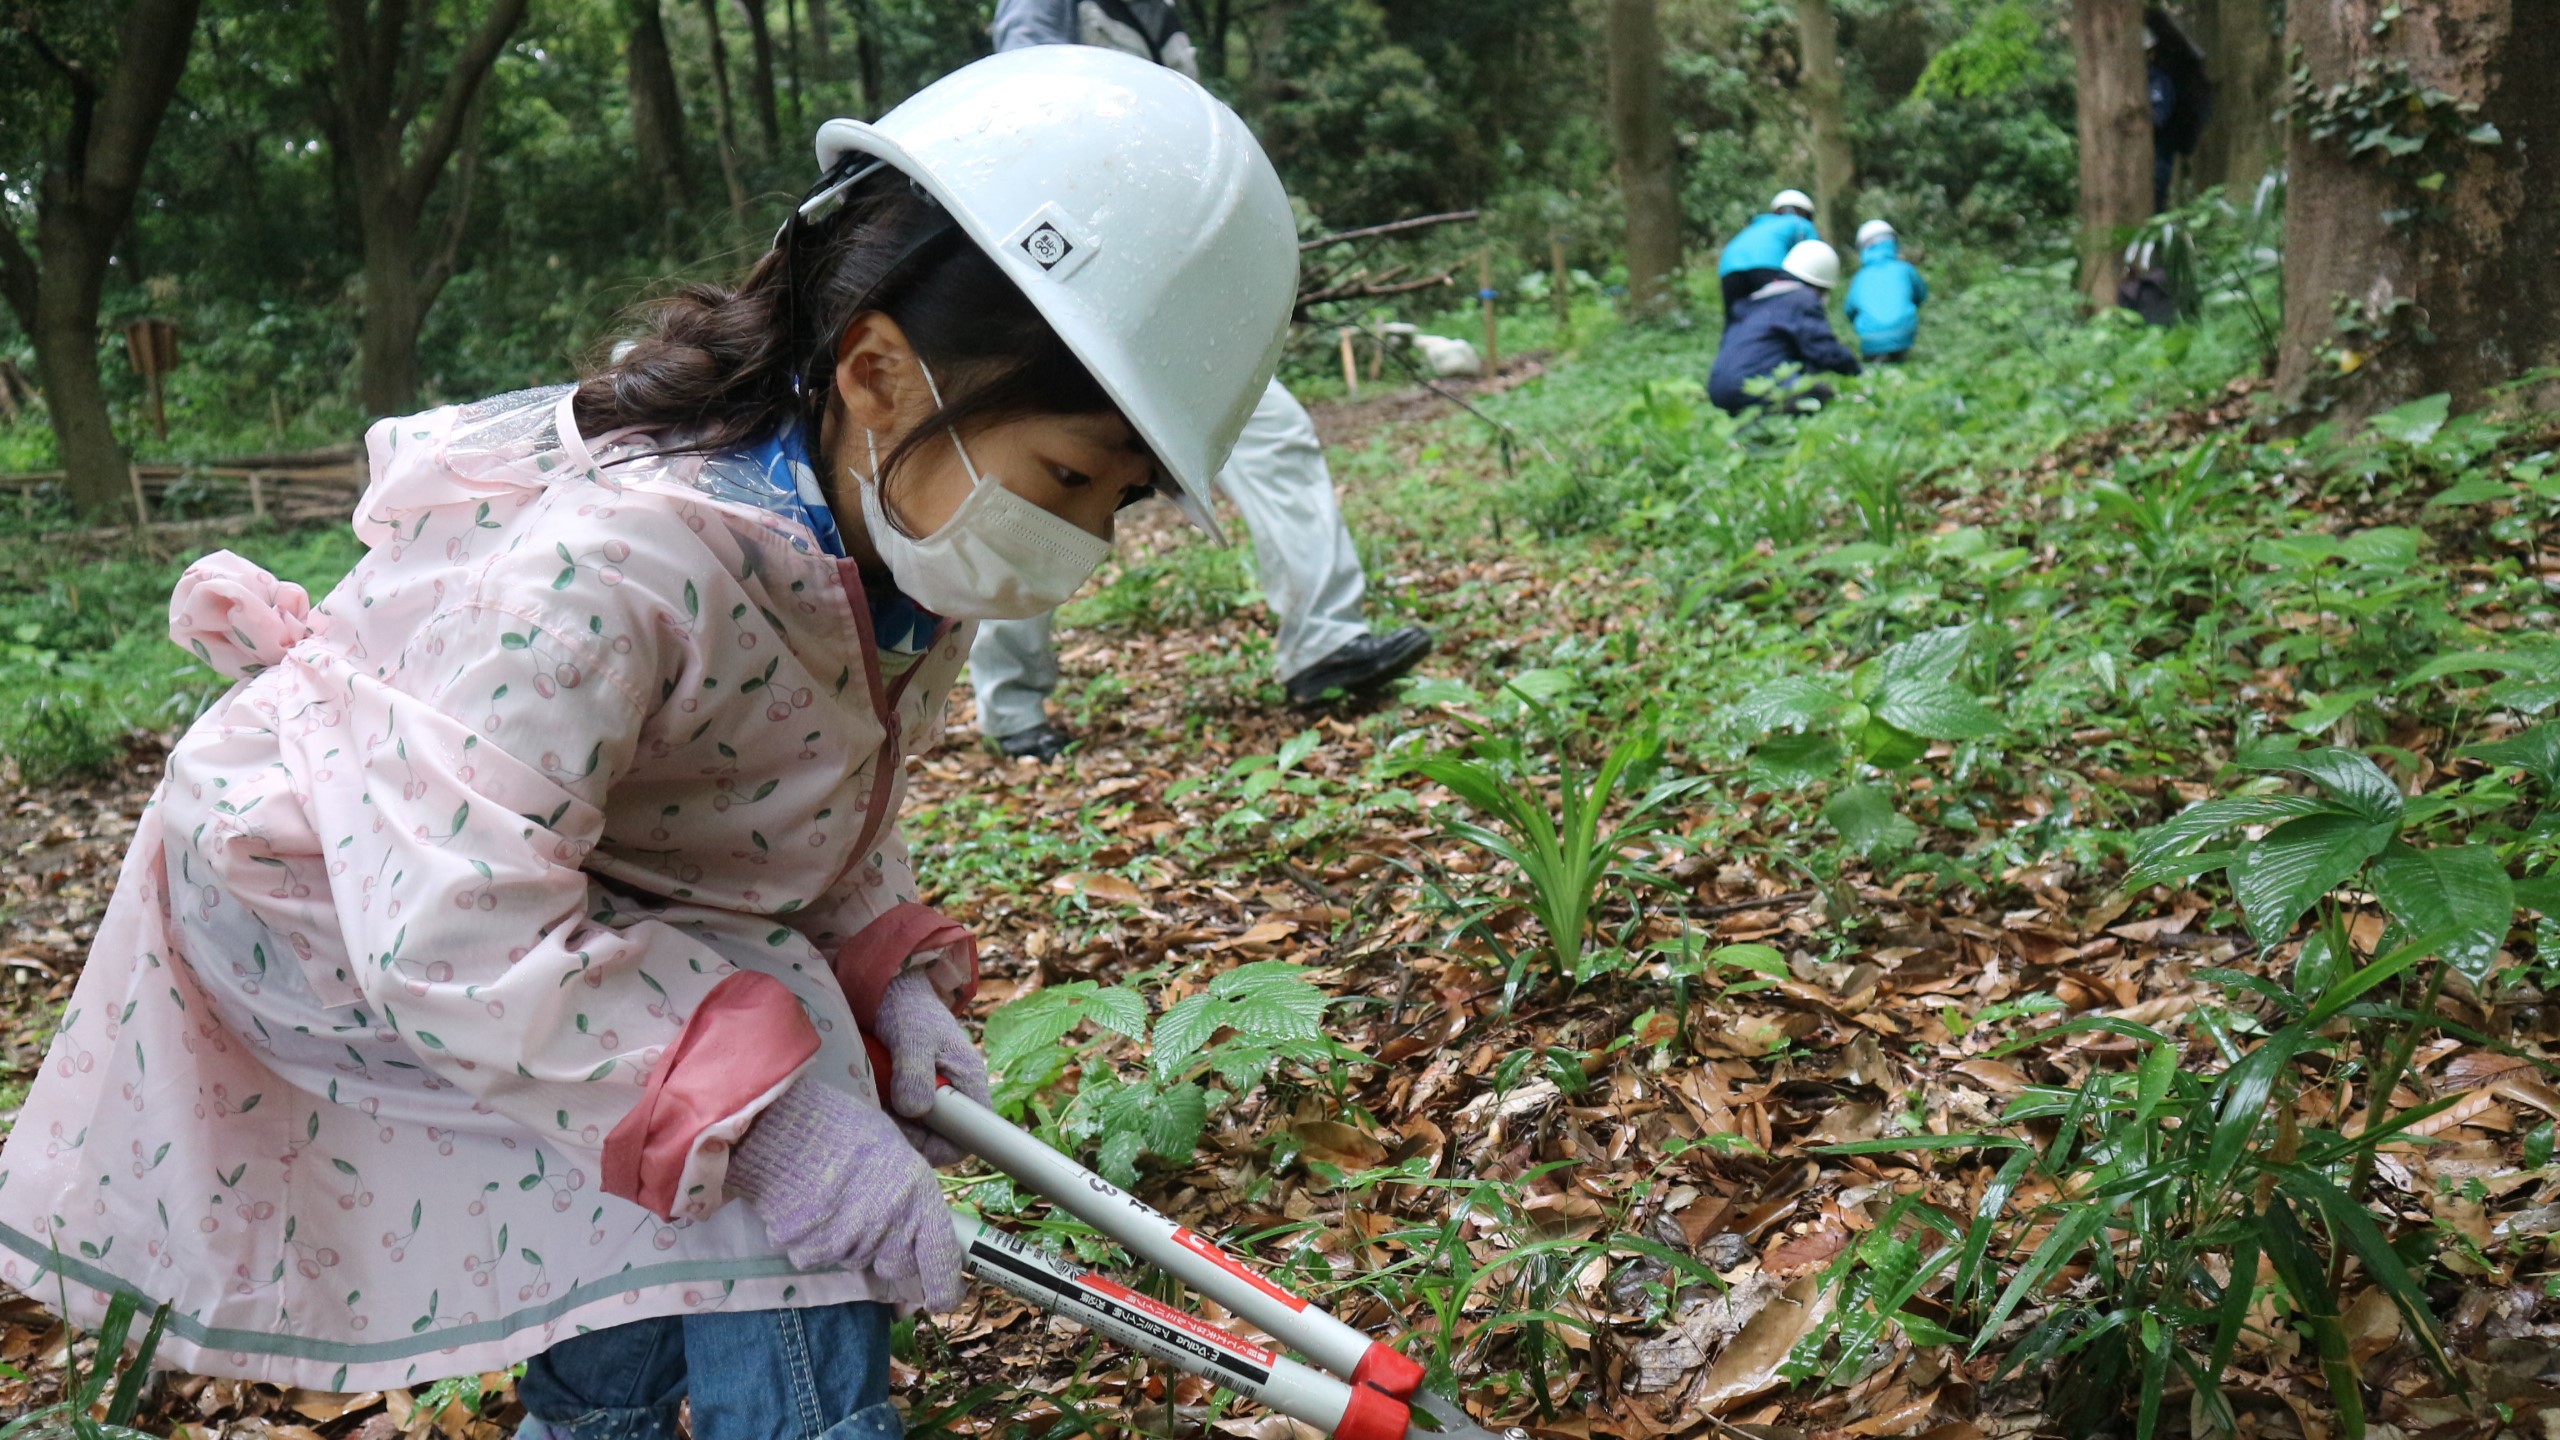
[[1884, 299], [1764, 243], [1787, 327]]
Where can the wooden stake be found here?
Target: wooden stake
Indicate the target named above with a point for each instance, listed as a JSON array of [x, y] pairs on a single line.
[[1484, 294], [257, 495], [1560, 284], [1350, 365], [141, 507]]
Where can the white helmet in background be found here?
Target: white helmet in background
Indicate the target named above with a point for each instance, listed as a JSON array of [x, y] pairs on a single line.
[[1814, 263], [1137, 214], [1791, 200], [1873, 231]]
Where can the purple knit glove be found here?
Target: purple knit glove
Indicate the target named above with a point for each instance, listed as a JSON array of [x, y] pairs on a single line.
[[838, 1185], [924, 1040]]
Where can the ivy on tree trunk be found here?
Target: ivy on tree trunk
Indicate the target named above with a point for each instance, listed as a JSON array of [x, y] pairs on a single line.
[[2419, 225]]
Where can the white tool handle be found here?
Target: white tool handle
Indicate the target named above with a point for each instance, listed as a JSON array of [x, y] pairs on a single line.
[[1150, 1327], [1188, 1256]]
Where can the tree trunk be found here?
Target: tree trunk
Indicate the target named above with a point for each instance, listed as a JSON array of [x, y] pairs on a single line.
[[1215, 17], [84, 199], [761, 89], [657, 109], [791, 64], [387, 345], [2115, 137], [398, 154], [2405, 276], [65, 333], [1640, 129], [1835, 171], [724, 114], [822, 63], [866, 57], [2244, 55]]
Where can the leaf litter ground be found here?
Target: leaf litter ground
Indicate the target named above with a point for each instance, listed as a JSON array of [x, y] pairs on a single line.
[[1640, 1209]]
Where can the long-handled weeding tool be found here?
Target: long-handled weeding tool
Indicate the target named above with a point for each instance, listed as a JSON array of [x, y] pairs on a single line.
[[1372, 1390]]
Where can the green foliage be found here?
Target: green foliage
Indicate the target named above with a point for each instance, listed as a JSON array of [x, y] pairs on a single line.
[[2164, 1187], [1203, 1049], [1890, 711], [68, 1418], [1563, 852], [2006, 51], [2383, 116], [59, 736]]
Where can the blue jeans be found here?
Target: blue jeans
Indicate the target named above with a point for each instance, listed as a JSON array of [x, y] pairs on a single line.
[[815, 1374]]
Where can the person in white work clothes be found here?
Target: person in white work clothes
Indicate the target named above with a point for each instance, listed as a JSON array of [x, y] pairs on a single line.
[[1276, 478]]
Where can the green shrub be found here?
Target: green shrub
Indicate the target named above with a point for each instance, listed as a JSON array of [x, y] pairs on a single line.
[[60, 735]]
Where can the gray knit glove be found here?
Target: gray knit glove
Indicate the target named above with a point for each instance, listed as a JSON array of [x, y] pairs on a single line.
[[926, 1040], [837, 1184]]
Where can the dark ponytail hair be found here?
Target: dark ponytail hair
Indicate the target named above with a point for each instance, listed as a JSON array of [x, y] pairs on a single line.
[[720, 367]]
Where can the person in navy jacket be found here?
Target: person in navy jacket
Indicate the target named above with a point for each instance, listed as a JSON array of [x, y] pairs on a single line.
[[1782, 324]]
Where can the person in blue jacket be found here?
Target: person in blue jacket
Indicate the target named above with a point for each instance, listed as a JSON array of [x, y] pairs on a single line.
[[1781, 324], [1884, 296], [1758, 254]]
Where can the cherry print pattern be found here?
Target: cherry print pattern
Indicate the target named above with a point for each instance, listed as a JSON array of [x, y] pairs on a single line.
[[552, 728]]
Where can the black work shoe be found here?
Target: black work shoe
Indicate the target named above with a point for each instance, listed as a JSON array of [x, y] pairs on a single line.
[[1359, 667], [1043, 742]]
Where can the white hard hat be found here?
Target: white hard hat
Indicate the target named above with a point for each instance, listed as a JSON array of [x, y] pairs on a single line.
[[1138, 215], [1814, 263], [1792, 200], [1873, 231]]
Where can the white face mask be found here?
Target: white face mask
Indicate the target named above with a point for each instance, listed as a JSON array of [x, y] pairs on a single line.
[[999, 557]]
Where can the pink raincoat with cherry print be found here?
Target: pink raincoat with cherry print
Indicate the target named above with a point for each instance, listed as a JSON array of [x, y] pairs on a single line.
[[469, 930]]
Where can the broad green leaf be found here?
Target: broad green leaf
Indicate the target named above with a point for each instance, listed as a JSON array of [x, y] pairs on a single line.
[[2460, 890], [1888, 746], [1298, 747], [2541, 892], [1173, 1119], [2497, 662], [2331, 708], [2202, 821], [1790, 700], [1795, 761], [2278, 878], [1867, 822], [2470, 492], [2349, 778], [2384, 547], [1543, 685], [1024, 1028], [1267, 1000], [2536, 752], [1931, 656], [2414, 423], [1935, 710], [1439, 690]]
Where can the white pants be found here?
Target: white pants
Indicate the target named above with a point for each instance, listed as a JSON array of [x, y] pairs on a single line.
[[1277, 480]]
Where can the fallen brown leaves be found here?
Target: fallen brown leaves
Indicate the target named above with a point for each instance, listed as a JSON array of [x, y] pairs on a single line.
[[1693, 1128]]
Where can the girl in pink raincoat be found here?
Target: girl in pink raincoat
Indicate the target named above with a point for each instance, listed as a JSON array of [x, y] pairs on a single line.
[[485, 983]]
